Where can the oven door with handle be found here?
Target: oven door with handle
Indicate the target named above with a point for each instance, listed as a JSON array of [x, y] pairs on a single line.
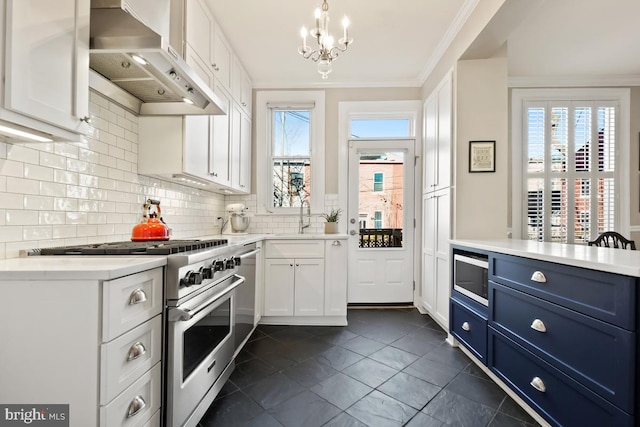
[[200, 345]]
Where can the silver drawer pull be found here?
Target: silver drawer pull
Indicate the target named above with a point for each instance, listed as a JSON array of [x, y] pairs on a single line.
[[466, 326], [136, 405], [136, 351], [538, 384], [538, 276], [538, 325], [137, 297]]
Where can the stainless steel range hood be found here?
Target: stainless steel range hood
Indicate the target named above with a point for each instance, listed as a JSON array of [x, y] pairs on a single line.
[[129, 47]]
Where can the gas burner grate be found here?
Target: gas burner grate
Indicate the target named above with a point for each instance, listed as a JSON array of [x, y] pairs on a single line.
[[167, 247]]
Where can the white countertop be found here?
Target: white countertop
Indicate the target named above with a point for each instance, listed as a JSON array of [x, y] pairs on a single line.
[[85, 267], [74, 267], [617, 261]]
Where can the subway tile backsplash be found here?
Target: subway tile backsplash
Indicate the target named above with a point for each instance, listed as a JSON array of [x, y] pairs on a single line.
[[54, 194]]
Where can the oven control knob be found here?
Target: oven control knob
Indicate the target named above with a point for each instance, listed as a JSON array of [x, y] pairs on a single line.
[[191, 278], [237, 260], [207, 272], [218, 265], [230, 263]]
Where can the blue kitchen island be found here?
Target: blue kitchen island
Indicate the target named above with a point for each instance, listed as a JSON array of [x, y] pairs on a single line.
[[558, 330]]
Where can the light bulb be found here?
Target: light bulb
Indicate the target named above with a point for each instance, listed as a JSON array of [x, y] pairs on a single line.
[[345, 22]]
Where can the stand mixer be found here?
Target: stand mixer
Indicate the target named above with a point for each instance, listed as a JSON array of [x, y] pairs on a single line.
[[237, 220]]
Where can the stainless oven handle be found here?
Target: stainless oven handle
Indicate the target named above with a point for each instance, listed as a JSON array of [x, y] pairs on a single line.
[[250, 253], [182, 314]]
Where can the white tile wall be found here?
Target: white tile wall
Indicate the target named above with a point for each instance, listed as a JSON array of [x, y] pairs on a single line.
[[282, 224], [73, 193]]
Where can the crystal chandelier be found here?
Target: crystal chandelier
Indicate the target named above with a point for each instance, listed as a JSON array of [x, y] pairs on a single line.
[[326, 51]]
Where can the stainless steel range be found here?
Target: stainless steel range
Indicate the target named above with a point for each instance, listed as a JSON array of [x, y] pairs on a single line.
[[205, 284]]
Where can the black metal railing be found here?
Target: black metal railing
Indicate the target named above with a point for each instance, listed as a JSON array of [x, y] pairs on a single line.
[[380, 238]]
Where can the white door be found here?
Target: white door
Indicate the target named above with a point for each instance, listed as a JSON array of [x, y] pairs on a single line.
[[381, 221]]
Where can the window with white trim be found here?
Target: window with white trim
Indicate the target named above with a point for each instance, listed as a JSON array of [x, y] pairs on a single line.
[[290, 151], [571, 168], [377, 219]]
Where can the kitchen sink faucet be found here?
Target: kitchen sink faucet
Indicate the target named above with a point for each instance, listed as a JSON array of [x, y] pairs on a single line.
[[302, 225]]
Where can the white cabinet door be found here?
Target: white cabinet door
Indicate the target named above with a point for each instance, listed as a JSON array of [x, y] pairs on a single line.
[[219, 155], [241, 86], [335, 279], [437, 138], [198, 65], [443, 178], [196, 146], [309, 287], [199, 26], [240, 150], [221, 58], [244, 180], [278, 287], [435, 255], [47, 61]]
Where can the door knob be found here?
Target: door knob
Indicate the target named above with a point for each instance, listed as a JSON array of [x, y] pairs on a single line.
[[352, 232]]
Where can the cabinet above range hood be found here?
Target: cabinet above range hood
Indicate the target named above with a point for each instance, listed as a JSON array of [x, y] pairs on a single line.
[[129, 47]]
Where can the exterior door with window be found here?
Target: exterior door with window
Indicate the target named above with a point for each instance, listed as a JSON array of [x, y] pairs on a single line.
[[381, 221]]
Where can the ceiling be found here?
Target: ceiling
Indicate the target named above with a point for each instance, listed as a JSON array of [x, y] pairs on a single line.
[[396, 43]]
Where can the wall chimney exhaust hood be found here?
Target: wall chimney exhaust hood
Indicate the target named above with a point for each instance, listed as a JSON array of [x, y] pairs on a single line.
[[129, 47]]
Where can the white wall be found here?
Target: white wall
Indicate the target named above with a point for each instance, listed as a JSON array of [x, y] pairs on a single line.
[[481, 99], [54, 194]]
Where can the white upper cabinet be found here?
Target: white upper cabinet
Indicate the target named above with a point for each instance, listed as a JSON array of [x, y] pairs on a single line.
[[241, 86], [240, 150], [221, 58], [46, 66], [219, 160], [437, 140], [199, 26]]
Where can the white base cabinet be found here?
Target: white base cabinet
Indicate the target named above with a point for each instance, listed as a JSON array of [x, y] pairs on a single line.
[[95, 345], [305, 282]]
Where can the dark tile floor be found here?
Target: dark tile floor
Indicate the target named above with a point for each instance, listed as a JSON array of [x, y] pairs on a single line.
[[389, 367]]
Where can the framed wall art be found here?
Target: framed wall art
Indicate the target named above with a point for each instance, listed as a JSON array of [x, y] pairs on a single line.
[[482, 156]]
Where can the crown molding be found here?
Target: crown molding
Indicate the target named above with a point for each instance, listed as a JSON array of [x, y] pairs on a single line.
[[335, 84], [461, 18], [574, 81]]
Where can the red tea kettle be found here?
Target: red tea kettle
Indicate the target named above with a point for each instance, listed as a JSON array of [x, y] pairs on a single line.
[[152, 226]]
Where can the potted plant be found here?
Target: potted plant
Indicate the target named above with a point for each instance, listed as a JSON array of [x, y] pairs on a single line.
[[331, 226]]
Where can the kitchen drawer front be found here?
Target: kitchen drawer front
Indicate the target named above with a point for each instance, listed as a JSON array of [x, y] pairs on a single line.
[[470, 328], [294, 249], [129, 356], [598, 355], [130, 301], [147, 390], [605, 296], [564, 401], [154, 421]]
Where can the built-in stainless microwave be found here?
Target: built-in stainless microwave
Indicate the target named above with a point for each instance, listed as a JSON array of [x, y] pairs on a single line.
[[471, 276]]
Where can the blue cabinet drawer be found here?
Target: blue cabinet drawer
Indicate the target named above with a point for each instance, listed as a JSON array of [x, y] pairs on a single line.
[[558, 398], [605, 296], [470, 328], [598, 355]]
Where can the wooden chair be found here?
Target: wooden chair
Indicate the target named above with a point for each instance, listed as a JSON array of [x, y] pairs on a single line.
[[611, 239]]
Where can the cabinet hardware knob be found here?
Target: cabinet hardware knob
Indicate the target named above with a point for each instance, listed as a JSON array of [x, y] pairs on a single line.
[[86, 119], [136, 405], [215, 67], [466, 326], [538, 384], [213, 174], [138, 296], [538, 325], [244, 104], [538, 276], [136, 351], [352, 220], [297, 265], [290, 265], [353, 232], [336, 243]]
